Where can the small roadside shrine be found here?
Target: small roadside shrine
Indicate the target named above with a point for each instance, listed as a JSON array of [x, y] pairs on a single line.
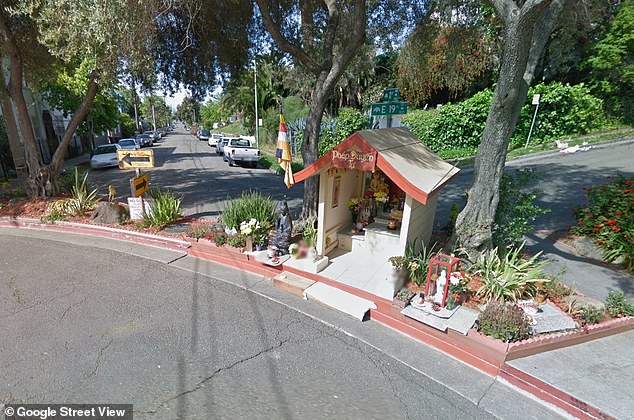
[[378, 191]]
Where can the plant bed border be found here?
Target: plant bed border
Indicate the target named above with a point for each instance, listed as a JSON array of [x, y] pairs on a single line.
[[98, 230]]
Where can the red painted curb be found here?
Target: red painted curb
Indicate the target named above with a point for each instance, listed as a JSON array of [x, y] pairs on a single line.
[[113, 233], [552, 395]]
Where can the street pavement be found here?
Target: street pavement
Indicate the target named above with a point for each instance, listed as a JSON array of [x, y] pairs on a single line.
[[191, 168], [183, 338]]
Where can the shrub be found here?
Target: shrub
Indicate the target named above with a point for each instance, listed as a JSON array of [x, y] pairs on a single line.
[[516, 209], [616, 305], [591, 314], [66, 180], [236, 241], [199, 229], [345, 124], [250, 205], [510, 277], [79, 203], [456, 129], [309, 232], [564, 111], [608, 218], [504, 322], [166, 209], [220, 239], [417, 263]]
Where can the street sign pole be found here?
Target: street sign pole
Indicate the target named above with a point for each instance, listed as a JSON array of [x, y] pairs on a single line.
[[536, 100]]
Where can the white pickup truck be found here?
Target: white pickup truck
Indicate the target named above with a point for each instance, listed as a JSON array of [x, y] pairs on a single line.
[[241, 151]]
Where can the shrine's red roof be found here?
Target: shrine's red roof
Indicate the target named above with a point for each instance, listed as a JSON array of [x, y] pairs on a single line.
[[398, 153]]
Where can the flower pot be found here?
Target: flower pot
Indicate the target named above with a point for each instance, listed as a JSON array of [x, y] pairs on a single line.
[[249, 244], [400, 303], [311, 254], [258, 247]]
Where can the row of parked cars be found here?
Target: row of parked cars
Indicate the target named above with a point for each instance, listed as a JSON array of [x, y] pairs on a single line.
[[105, 155], [234, 150]]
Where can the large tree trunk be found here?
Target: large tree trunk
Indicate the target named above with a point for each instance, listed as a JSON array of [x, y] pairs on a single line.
[[526, 32], [16, 148]]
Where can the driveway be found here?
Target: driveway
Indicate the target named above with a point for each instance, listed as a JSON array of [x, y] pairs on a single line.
[[191, 168]]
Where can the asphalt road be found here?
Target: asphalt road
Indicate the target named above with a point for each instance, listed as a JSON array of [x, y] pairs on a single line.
[[109, 327], [192, 169]]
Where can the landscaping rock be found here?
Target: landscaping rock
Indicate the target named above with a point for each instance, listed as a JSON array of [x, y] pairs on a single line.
[[110, 213], [176, 228], [578, 302]]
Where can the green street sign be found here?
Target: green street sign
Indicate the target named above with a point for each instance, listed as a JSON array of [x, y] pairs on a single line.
[[391, 95], [389, 108]]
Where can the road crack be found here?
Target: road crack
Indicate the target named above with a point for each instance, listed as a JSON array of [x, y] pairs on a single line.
[[98, 361], [218, 371]]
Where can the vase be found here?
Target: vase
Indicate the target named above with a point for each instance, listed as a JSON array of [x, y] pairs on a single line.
[[312, 253], [249, 244]]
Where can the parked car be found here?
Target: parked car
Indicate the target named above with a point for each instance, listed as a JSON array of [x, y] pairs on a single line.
[[105, 156], [241, 151], [154, 135], [203, 135], [221, 145], [129, 144], [144, 139], [213, 139]]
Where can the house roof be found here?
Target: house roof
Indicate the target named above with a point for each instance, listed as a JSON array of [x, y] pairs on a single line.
[[398, 153]]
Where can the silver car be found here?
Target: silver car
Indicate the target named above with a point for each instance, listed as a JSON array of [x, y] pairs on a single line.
[[129, 144]]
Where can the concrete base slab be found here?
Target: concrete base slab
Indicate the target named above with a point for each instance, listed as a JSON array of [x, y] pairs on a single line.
[[342, 301], [308, 265], [292, 283]]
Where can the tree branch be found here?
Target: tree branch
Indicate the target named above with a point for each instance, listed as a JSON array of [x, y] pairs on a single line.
[[78, 117], [282, 42], [544, 26], [506, 9]]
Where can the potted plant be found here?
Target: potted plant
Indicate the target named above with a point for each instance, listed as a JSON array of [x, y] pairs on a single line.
[[260, 241], [293, 249], [403, 297], [399, 272], [309, 233]]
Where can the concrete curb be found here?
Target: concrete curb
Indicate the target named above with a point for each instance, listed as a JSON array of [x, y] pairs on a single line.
[[97, 230]]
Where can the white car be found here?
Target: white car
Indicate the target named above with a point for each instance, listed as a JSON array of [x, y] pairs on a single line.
[[241, 151], [213, 139], [105, 156], [129, 144]]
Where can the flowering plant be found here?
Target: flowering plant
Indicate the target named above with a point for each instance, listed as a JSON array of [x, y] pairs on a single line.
[[608, 218], [253, 229], [353, 204], [293, 249], [381, 196]]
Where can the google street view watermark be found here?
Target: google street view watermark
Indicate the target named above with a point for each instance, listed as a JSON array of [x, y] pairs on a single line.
[[66, 411]]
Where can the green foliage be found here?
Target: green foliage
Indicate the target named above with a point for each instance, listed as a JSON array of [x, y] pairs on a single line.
[[127, 125], [504, 322], [270, 162], [68, 90], [404, 295], [162, 113], [591, 314], [80, 202], [294, 109], [236, 241], [616, 305], [456, 129], [417, 262], [564, 111], [212, 113], [347, 123], [199, 229], [608, 218], [309, 232], [509, 277], [612, 66], [516, 209], [67, 179], [250, 205], [220, 239], [188, 110], [165, 210]]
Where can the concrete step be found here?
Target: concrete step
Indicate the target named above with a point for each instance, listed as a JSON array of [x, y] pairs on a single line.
[[292, 283], [338, 299]]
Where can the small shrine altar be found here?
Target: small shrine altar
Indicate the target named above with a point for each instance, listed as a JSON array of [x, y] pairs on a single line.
[[378, 191]]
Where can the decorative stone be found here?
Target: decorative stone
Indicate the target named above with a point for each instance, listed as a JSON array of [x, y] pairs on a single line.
[[176, 228], [110, 213], [550, 319]]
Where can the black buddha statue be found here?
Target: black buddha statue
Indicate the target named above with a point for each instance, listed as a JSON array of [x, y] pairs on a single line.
[[280, 239]]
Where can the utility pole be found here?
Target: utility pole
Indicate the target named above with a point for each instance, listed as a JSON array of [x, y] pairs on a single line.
[[153, 115], [257, 120]]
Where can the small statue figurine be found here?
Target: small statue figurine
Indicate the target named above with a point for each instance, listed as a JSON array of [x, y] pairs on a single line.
[[280, 239], [440, 287]]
